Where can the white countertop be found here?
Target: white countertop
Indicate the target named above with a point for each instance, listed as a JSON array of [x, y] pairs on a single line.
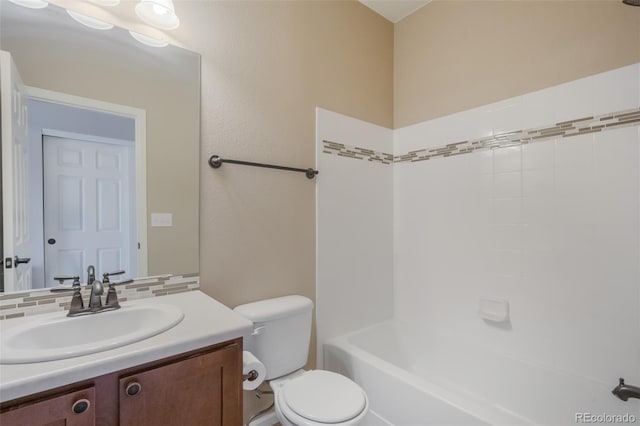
[[206, 322]]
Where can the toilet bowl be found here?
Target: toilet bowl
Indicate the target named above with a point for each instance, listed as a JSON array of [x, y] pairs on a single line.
[[280, 340], [317, 397]]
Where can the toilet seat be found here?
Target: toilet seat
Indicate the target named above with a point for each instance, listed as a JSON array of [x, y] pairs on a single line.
[[321, 397]]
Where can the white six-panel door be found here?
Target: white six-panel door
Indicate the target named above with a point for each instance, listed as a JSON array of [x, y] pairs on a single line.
[[15, 160], [89, 214]]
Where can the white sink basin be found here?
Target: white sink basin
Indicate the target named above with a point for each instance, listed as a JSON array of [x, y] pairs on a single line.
[[55, 336]]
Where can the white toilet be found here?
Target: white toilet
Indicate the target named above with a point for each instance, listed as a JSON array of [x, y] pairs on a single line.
[[280, 340]]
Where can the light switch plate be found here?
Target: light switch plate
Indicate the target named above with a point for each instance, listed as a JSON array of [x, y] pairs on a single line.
[[161, 220]]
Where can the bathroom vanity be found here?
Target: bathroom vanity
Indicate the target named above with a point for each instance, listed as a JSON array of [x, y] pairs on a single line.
[[199, 387], [189, 374]]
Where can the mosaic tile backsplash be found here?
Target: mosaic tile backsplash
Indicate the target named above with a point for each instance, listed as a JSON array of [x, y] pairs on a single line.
[[15, 305], [565, 129]]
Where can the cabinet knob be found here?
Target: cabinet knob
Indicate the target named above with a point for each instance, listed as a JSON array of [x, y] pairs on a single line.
[[133, 388], [80, 406]]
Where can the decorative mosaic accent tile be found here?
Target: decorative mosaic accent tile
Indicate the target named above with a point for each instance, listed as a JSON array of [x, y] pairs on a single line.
[[565, 129], [14, 305], [342, 150]]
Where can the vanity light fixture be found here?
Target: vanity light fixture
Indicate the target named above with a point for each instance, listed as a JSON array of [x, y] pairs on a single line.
[[31, 4], [158, 13], [149, 41], [89, 21], [106, 2]]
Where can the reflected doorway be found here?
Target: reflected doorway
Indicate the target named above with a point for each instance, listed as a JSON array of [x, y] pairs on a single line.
[[89, 205]]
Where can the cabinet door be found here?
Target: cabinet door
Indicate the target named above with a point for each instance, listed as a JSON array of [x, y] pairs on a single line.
[[71, 409], [201, 390]]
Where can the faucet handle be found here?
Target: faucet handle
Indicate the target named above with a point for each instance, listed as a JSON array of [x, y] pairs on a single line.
[[112, 295], [62, 289], [106, 275], [77, 305], [129, 281], [76, 280]]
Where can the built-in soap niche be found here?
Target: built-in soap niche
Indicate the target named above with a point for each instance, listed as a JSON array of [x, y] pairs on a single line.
[[495, 312]]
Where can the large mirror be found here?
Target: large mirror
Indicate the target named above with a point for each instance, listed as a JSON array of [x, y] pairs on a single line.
[[102, 168]]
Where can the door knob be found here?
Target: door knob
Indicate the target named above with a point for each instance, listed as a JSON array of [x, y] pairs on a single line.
[[18, 260], [51, 241]]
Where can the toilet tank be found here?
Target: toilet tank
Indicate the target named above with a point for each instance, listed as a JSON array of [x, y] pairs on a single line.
[[281, 332]]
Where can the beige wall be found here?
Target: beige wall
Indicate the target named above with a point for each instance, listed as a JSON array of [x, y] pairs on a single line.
[[265, 67], [454, 55]]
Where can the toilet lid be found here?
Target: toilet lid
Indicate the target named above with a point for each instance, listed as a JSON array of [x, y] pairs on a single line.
[[325, 397]]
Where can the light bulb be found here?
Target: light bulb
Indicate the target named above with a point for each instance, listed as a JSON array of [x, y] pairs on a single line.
[[158, 13]]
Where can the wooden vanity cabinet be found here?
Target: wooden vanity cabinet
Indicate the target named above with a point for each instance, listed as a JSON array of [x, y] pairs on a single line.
[[189, 392], [202, 387], [76, 408]]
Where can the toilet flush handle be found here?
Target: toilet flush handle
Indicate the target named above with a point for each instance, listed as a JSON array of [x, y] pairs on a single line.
[[257, 330]]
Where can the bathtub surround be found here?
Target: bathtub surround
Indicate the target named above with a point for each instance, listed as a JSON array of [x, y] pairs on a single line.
[[533, 200], [15, 305], [354, 225]]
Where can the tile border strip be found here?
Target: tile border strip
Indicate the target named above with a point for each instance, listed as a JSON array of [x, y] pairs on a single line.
[[342, 150], [564, 129], [15, 305]]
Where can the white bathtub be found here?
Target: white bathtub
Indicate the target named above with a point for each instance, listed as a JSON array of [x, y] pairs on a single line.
[[433, 381]]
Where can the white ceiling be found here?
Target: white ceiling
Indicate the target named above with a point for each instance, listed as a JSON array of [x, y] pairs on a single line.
[[394, 10]]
